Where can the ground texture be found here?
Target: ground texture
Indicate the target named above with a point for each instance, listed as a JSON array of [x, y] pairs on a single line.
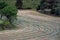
[[33, 26]]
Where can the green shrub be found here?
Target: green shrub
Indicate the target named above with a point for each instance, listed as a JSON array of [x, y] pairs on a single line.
[[7, 25], [10, 12], [1, 24], [2, 5], [57, 11]]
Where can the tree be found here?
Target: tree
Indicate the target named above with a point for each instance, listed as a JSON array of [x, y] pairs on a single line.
[[49, 4], [19, 4], [56, 10]]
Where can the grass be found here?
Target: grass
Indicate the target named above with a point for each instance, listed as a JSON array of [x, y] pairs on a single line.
[[10, 2], [26, 3], [31, 4]]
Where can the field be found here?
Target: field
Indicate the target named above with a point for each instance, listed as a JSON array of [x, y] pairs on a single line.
[[33, 26]]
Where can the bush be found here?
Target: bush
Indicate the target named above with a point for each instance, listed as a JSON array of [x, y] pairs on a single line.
[[2, 5], [57, 11], [10, 12], [7, 25], [1, 24]]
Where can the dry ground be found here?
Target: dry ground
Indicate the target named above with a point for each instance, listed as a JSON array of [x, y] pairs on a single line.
[[33, 26]]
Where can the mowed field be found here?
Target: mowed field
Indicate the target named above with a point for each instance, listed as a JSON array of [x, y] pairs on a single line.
[[33, 25]]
